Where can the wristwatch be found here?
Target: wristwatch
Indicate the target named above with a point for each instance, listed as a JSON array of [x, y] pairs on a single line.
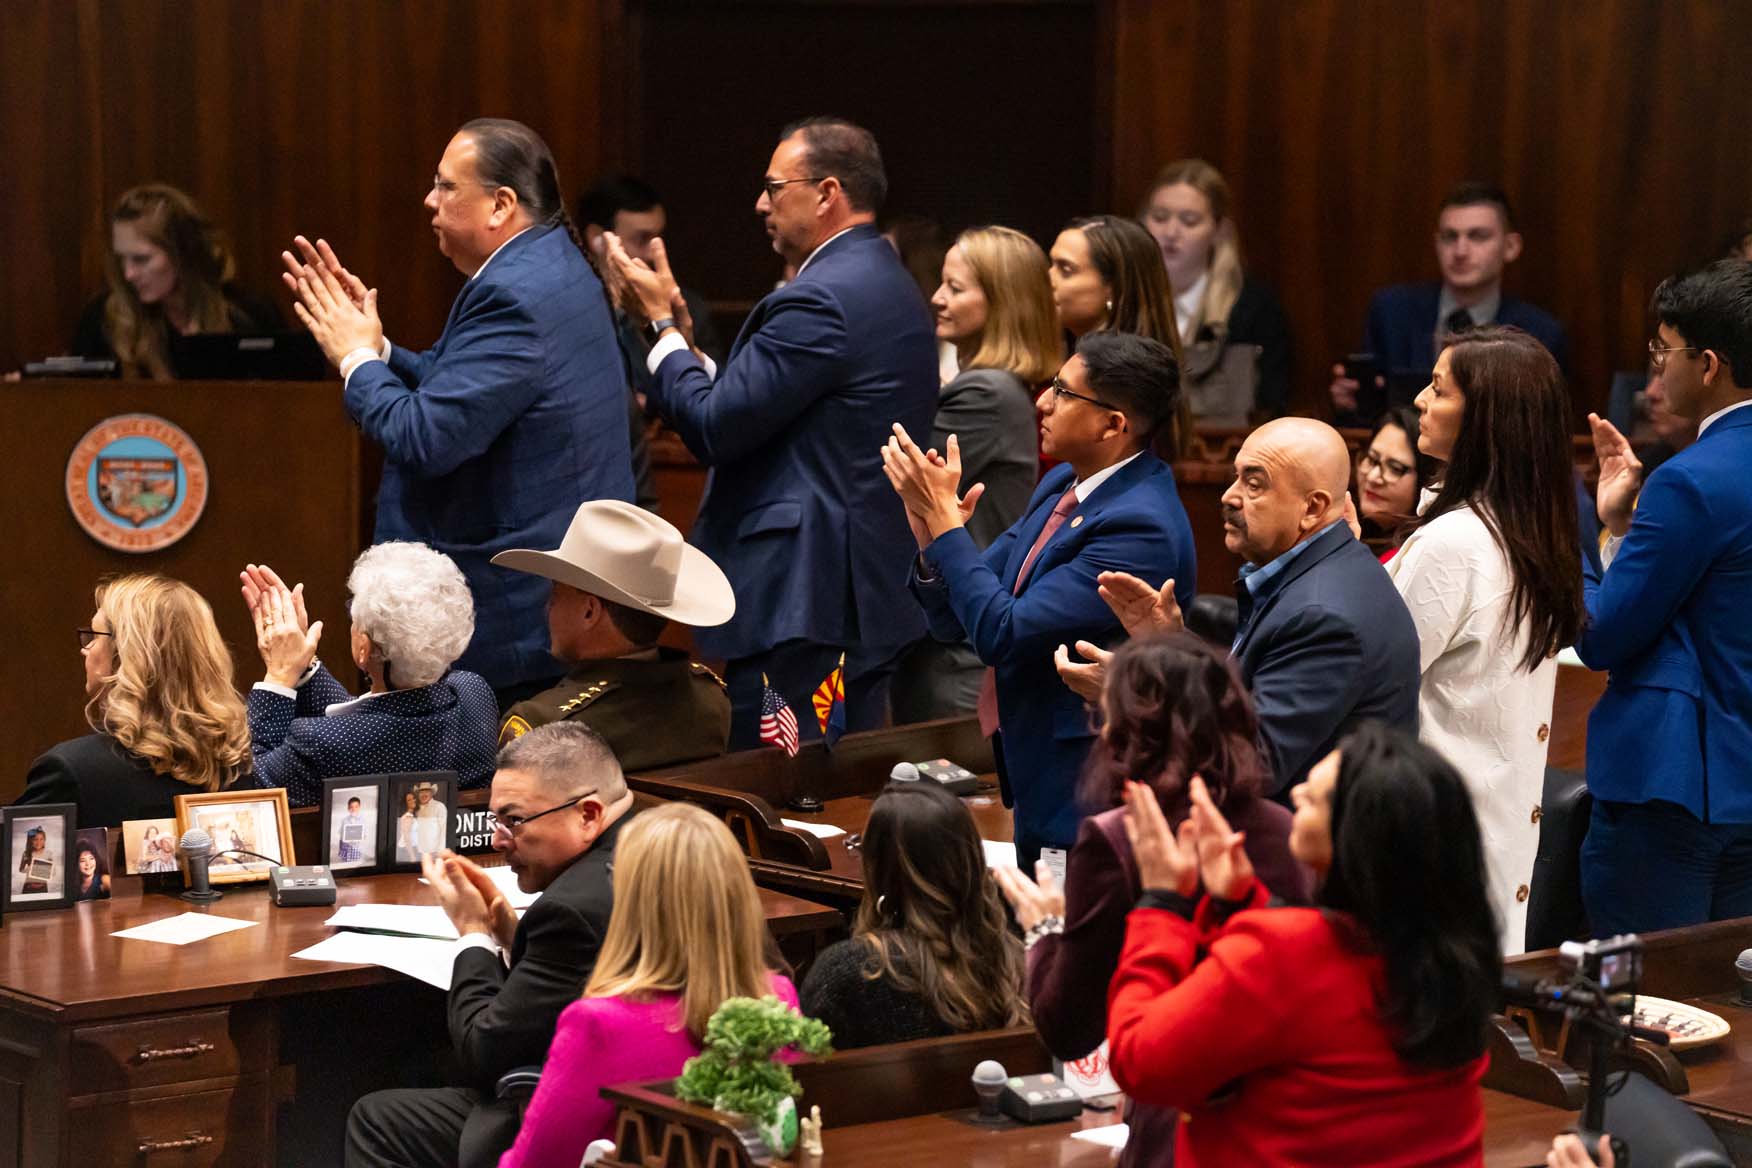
[[658, 327]]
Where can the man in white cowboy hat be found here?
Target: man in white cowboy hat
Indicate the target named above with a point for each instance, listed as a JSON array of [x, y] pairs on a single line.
[[620, 575]]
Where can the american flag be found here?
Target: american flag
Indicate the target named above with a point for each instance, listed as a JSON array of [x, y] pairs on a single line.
[[778, 725]]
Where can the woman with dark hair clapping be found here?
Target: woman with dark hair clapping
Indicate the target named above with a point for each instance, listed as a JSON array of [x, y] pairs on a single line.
[[1316, 1036], [1172, 707]]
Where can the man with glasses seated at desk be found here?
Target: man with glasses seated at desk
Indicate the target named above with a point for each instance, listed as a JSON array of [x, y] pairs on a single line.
[[558, 803]]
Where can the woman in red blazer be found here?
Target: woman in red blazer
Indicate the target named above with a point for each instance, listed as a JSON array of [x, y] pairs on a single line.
[[1349, 1033]]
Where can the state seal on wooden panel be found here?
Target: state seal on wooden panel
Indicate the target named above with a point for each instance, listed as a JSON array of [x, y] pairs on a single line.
[[136, 483]]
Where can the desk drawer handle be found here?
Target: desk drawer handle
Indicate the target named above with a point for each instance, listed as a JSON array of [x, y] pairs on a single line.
[[198, 1140], [193, 1050]]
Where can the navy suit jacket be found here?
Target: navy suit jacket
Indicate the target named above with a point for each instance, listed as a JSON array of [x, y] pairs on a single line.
[[1133, 522], [451, 725], [797, 510], [1402, 327], [493, 436], [1329, 645], [1668, 618]]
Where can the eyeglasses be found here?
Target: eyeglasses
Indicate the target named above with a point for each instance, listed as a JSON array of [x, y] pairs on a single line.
[[773, 186], [512, 824], [1658, 354], [1061, 390], [445, 186], [86, 636], [1368, 462]]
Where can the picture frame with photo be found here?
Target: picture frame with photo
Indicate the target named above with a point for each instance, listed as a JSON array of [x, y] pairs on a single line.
[[36, 853], [91, 864], [351, 839], [251, 830], [149, 847], [416, 818]]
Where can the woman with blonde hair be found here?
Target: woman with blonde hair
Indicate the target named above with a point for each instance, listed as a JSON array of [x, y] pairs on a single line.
[[167, 720], [1237, 337], [931, 951], [169, 272], [995, 306], [687, 933]]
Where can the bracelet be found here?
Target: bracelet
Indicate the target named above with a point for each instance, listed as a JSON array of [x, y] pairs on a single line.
[[1047, 926]]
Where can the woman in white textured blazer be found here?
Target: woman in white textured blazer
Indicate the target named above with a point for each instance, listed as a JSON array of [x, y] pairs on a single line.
[[1492, 576]]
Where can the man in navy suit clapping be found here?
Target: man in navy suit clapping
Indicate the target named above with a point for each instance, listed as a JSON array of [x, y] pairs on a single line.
[[794, 512]]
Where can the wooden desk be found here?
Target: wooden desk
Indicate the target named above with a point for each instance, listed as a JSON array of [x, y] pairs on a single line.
[[108, 1046]]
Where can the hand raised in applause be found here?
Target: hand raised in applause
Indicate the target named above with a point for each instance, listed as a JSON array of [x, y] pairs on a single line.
[[1031, 900], [284, 637], [1351, 519], [1140, 608], [1222, 860], [1568, 1151], [927, 485], [469, 898], [1620, 475], [327, 306], [1084, 678], [645, 293], [320, 254], [1164, 863]]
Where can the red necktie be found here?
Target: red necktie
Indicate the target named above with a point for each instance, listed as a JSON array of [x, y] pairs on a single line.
[[988, 691]]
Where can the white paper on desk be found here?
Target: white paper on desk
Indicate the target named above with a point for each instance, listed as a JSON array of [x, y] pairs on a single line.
[[411, 920], [183, 928], [818, 830], [999, 853], [1111, 1136], [421, 958], [506, 880]]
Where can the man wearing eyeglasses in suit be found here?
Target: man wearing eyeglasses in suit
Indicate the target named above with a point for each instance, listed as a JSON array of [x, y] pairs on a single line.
[[558, 804]]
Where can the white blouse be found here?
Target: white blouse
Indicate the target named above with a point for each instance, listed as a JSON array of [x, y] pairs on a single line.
[[1476, 705]]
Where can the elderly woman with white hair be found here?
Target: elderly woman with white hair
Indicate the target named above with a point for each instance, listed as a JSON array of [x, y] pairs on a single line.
[[413, 616]]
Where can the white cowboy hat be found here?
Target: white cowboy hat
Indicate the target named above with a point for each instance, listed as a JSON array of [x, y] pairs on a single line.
[[624, 553]]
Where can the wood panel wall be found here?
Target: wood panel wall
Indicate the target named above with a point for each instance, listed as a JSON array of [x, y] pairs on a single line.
[[1618, 127]]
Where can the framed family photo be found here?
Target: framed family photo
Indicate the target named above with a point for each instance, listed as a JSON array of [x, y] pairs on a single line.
[[417, 818], [251, 830], [36, 852], [351, 808], [148, 846]]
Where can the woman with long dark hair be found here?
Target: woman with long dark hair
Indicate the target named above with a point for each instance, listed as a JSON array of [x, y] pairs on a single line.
[[1316, 1036], [1173, 707], [931, 952], [1493, 578]]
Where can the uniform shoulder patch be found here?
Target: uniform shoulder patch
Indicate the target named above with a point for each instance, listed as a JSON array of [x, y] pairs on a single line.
[[585, 696], [705, 671], [514, 727]]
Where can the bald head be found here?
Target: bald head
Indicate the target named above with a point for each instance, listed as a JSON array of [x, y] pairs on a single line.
[[1290, 479]]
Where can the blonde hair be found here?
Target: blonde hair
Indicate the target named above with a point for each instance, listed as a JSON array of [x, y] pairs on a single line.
[[1021, 333], [1225, 271], [170, 700], [171, 220], [686, 916]]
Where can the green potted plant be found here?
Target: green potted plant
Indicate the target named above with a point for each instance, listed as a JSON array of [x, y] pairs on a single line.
[[735, 1072]]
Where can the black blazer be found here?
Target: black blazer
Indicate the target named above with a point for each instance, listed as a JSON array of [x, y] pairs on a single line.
[[107, 784], [501, 1019], [1258, 318], [1330, 645]]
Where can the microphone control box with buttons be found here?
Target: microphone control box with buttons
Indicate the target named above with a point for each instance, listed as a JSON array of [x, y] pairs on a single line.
[[1040, 1098], [955, 779], [300, 885]]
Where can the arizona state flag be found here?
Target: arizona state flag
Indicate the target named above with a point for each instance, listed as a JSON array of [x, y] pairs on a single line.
[[830, 703]]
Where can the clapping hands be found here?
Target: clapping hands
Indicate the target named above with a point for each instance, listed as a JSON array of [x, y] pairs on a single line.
[[1620, 475], [1141, 609], [335, 305], [284, 635], [1205, 847], [927, 484]]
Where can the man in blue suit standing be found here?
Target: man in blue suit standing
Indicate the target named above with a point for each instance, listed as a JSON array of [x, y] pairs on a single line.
[[1110, 505], [1670, 741], [516, 415], [1475, 241], [794, 510], [1323, 640]]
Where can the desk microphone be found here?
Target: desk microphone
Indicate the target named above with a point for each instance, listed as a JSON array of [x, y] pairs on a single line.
[[988, 1083], [1743, 967], [904, 772], [196, 847]]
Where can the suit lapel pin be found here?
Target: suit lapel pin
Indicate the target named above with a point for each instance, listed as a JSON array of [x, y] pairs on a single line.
[[1076, 520]]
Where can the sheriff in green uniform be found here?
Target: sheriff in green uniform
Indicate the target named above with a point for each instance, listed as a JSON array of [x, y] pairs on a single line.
[[619, 577]]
